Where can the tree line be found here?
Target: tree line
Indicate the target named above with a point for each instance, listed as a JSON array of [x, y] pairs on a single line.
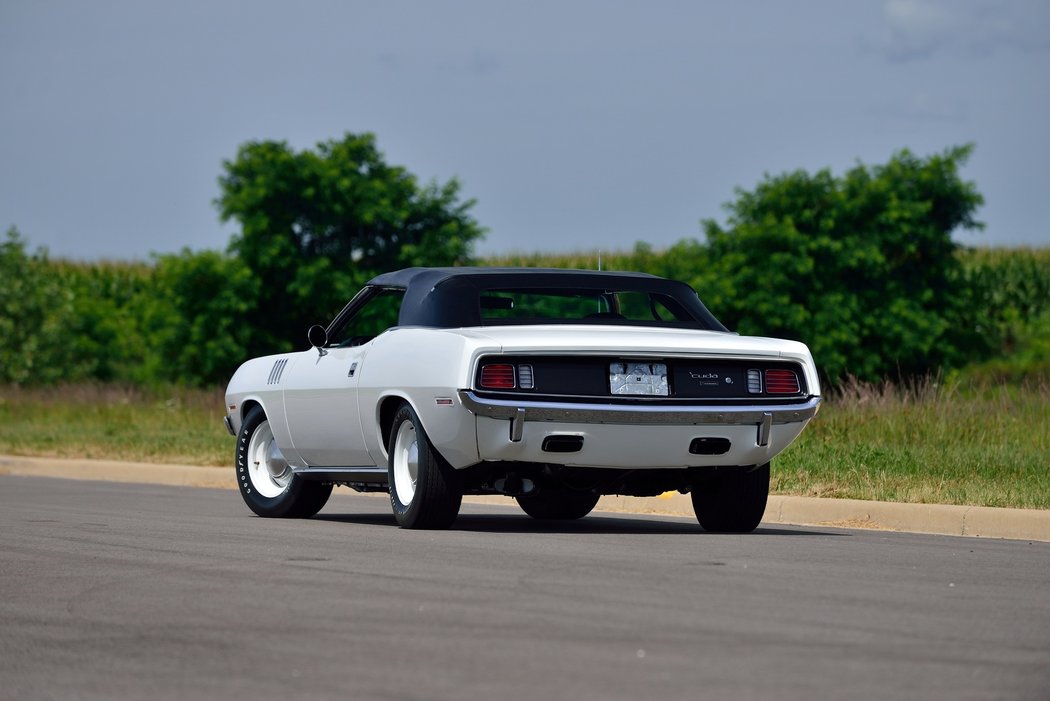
[[861, 266]]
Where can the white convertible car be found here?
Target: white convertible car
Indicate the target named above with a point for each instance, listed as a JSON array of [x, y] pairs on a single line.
[[553, 387]]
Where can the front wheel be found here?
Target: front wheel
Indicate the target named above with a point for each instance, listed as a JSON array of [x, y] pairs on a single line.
[[424, 489], [266, 482], [733, 500], [558, 504]]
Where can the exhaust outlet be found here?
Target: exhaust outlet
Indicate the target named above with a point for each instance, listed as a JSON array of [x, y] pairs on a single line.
[[709, 446], [562, 444]]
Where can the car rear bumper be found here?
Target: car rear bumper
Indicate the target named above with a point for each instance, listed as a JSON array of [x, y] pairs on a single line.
[[635, 436], [633, 414]]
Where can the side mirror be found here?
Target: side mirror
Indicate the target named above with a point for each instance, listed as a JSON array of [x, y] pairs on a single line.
[[318, 338]]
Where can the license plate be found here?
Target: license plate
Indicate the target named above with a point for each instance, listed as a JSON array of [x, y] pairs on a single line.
[[648, 379]]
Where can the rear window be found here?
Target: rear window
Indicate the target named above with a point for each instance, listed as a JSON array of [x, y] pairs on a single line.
[[537, 306]]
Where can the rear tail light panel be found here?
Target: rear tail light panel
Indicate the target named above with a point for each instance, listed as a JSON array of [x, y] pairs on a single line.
[[688, 379]]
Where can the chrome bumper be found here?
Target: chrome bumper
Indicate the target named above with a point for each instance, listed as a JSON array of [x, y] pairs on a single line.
[[229, 425], [518, 412]]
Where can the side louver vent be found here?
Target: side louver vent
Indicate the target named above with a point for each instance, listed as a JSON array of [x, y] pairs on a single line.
[[275, 373]]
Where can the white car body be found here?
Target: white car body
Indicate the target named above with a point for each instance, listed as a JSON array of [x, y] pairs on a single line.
[[322, 418], [329, 407]]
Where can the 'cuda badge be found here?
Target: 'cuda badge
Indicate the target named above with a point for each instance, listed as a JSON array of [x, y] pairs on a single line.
[[704, 375]]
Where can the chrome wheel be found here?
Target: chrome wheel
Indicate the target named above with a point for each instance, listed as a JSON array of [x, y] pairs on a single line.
[[406, 462], [268, 471]]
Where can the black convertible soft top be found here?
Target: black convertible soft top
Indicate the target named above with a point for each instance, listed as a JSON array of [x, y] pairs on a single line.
[[449, 297]]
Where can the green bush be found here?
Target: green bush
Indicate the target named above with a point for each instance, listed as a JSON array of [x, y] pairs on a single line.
[[35, 313], [194, 316], [861, 267], [1007, 313], [103, 335]]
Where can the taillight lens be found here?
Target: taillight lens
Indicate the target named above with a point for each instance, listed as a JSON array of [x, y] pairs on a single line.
[[781, 382], [497, 377]]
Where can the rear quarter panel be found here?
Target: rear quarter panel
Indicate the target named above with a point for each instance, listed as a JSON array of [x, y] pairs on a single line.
[[424, 367]]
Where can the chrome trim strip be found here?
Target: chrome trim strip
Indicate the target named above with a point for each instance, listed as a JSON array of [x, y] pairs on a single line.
[[640, 414], [229, 425]]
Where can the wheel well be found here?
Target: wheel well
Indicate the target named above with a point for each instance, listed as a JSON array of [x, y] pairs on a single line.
[[387, 409], [386, 417], [247, 407]]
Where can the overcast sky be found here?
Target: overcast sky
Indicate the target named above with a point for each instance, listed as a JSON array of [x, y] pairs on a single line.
[[575, 125]]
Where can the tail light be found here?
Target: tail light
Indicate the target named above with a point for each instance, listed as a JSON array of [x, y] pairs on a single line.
[[781, 382], [497, 377]]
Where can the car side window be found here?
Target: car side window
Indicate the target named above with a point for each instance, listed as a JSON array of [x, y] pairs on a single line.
[[379, 314]]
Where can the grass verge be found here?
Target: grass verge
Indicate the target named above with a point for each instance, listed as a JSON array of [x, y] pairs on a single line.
[[171, 425], [927, 443]]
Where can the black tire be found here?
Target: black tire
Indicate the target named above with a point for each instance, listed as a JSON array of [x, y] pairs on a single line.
[[287, 495], [732, 501], [558, 504], [433, 498]]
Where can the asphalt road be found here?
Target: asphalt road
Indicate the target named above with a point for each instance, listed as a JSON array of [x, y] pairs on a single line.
[[111, 591]]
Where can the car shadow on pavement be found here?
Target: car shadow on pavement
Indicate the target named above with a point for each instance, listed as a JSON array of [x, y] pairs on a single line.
[[594, 524]]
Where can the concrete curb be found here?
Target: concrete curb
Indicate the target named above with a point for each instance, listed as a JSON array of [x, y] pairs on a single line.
[[115, 471], [940, 519]]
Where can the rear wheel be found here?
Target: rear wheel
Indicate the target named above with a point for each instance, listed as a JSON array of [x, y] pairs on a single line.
[[558, 504], [732, 501], [424, 489], [266, 482]]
